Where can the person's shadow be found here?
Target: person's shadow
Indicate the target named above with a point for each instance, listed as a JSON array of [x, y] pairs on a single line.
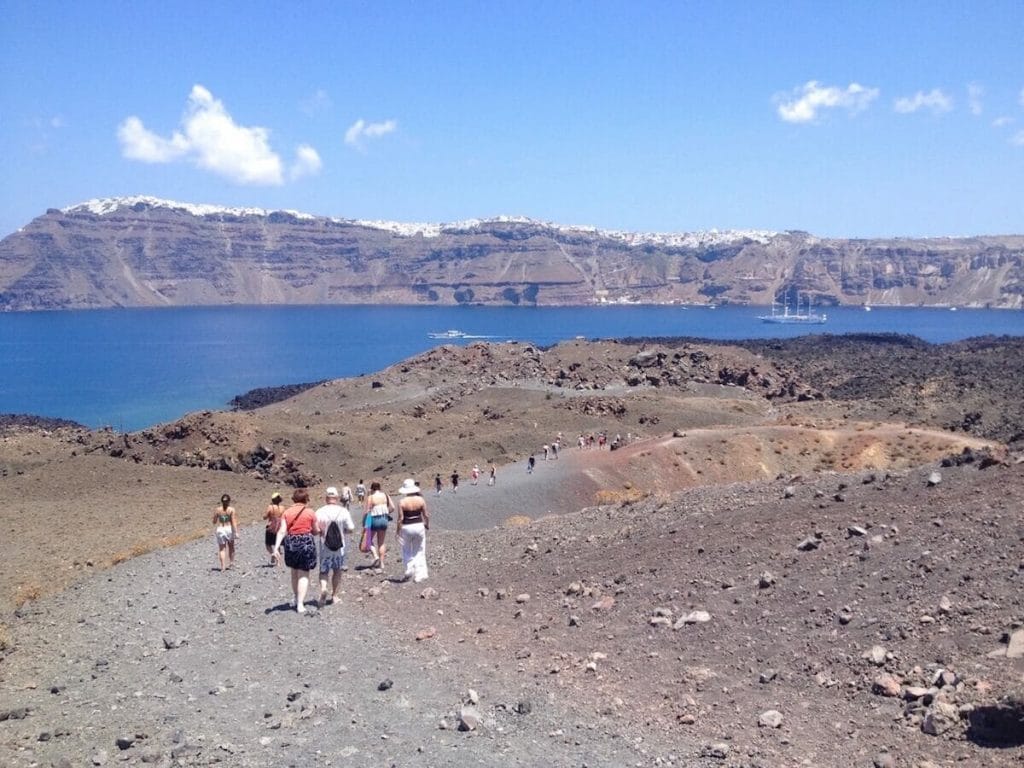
[[286, 608]]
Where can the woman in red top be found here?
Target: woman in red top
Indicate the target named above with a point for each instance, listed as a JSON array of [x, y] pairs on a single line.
[[298, 527]]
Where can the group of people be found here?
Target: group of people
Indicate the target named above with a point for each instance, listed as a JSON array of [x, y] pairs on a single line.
[[600, 440], [308, 540], [454, 478]]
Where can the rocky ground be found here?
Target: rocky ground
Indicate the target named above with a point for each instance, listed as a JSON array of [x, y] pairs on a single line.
[[771, 573]]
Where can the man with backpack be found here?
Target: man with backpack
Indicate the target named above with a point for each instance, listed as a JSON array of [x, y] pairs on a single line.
[[333, 519]]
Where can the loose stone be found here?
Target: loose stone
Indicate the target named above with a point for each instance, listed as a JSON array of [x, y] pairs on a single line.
[[771, 718]]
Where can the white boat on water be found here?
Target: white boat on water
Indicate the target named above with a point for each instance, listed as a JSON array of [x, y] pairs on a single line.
[[449, 334], [794, 316]]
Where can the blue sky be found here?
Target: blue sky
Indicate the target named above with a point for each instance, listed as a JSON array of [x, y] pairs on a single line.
[[843, 119]]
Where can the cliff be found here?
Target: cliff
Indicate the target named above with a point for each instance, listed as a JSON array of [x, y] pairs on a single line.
[[131, 252]]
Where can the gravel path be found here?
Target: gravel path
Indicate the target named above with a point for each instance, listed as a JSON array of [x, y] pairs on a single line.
[[556, 486], [190, 666]]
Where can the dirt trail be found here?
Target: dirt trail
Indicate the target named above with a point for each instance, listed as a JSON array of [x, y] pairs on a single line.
[[195, 667]]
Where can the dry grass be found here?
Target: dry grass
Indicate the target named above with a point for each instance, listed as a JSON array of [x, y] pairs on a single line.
[[27, 592], [619, 496], [149, 545]]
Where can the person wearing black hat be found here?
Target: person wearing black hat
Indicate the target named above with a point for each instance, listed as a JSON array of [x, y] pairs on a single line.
[[273, 518]]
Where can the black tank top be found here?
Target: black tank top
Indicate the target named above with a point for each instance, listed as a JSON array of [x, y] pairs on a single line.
[[415, 516]]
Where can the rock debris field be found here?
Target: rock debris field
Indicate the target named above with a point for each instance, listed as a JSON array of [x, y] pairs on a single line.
[[872, 616]]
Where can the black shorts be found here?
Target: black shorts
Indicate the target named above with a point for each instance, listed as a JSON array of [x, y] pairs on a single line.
[[300, 552], [270, 538]]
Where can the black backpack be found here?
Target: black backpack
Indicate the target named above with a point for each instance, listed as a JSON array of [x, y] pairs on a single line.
[[333, 538]]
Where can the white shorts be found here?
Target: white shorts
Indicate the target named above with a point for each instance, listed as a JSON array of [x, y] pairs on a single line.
[[224, 535]]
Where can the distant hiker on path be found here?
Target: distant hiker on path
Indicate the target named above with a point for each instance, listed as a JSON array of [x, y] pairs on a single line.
[[413, 523], [437, 484], [360, 492], [494, 475], [273, 518], [298, 527], [455, 481], [226, 529], [379, 508], [476, 473], [529, 464], [333, 519], [346, 496]]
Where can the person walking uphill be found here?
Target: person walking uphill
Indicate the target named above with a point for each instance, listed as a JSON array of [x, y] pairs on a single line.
[[334, 520], [298, 527], [413, 523], [273, 518], [226, 529], [378, 513]]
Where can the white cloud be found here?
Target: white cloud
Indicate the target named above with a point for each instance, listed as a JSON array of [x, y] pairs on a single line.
[[1017, 139], [1002, 122], [974, 95], [212, 140], [138, 143], [307, 162], [802, 104], [935, 100], [361, 130]]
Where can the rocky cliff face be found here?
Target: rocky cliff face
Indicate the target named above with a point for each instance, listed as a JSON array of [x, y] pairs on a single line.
[[148, 252]]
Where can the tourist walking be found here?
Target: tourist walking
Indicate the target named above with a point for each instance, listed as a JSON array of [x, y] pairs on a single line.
[[455, 481], [225, 529], [273, 518], [333, 519], [413, 523], [476, 473], [494, 475], [346, 495], [360, 492], [530, 462], [297, 531], [437, 484], [378, 512]]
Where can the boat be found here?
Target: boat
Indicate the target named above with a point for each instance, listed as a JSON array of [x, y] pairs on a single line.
[[449, 334], [794, 316]]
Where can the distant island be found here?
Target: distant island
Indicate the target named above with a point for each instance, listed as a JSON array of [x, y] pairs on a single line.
[[147, 252]]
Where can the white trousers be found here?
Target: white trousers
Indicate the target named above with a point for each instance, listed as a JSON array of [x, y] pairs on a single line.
[[414, 551]]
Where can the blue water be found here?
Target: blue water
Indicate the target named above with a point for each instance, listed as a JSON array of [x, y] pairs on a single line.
[[132, 368]]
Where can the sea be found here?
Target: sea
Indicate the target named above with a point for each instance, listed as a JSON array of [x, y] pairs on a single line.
[[134, 368]]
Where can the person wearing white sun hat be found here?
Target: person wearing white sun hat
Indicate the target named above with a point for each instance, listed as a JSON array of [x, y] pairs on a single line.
[[413, 523]]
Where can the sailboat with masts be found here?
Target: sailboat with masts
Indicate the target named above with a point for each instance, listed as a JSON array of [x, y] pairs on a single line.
[[794, 316]]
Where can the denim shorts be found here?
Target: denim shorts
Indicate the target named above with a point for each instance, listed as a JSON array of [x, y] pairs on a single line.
[[331, 561]]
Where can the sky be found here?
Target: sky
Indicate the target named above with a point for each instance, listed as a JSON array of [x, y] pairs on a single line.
[[845, 119]]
